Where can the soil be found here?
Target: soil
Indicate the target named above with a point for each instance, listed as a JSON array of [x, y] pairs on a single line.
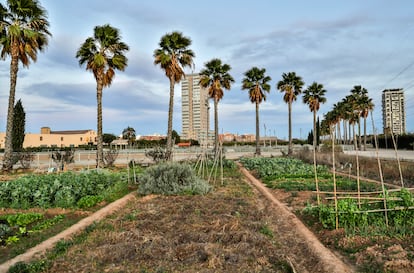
[[236, 228]]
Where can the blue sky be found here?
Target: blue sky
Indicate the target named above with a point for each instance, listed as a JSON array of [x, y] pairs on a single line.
[[336, 43]]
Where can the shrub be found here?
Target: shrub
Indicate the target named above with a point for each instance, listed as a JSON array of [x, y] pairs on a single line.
[[171, 179]]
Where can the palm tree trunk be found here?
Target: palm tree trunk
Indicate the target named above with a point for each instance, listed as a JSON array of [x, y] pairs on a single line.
[[99, 152], [8, 149], [170, 119], [257, 130], [354, 137], [338, 128], [345, 131], [314, 129], [290, 127], [357, 170], [216, 138]]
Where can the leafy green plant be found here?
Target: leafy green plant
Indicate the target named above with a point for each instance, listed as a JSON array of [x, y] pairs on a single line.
[[89, 201], [11, 240], [57, 190], [22, 219], [171, 179], [357, 219], [281, 167], [46, 224]]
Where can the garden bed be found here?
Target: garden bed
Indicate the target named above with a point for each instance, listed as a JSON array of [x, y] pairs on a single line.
[[372, 247]]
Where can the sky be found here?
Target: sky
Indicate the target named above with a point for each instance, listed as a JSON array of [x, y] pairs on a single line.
[[339, 44]]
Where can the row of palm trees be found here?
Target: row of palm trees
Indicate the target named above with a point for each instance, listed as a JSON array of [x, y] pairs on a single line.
[[174, 55], [349, 112], [24, 32]]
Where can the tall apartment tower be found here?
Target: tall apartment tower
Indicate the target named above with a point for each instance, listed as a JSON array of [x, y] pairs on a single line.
[[195, 109], [393, 111]]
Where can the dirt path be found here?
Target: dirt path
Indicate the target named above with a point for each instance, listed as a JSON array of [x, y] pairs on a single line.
[[81, 225], [297, 233]]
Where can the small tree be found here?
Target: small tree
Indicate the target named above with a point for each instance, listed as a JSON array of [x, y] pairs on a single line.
[[176, 136], [63, 157], [129, 134], [19, 122], [108, 138], [110, 157]]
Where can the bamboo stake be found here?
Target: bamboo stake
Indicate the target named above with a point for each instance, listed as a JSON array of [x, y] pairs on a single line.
[[221, 161], [385, 210], [380, 170], [372, 192], [334, 180], [357, 170], [398, 159], [349, 192], [128, 167], [364, 197], [316, 174]]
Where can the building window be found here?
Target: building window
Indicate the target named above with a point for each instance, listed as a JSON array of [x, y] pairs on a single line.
[[41, 138], [61, 138], [81, 139]]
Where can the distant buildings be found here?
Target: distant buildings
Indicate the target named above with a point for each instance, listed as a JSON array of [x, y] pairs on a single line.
[[195, 109], [56, 139], [393, 111], [229, 137]]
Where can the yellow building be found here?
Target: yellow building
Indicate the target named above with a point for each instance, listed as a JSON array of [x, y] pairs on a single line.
[[48, 138]]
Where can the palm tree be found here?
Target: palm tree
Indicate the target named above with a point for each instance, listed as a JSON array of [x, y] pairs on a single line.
[[359, 92], [215, 77], [314, 95], [256, 82], [24, 32], [103, 54], [292, 86], [173, 55], [347, 106], [366, 106]]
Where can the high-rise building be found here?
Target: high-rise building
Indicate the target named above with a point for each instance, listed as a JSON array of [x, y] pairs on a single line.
[[195, 109], [393, 111]]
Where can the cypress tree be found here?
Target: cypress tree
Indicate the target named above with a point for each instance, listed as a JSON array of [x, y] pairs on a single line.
[[19, 123], [318, 132], [310, 137]]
